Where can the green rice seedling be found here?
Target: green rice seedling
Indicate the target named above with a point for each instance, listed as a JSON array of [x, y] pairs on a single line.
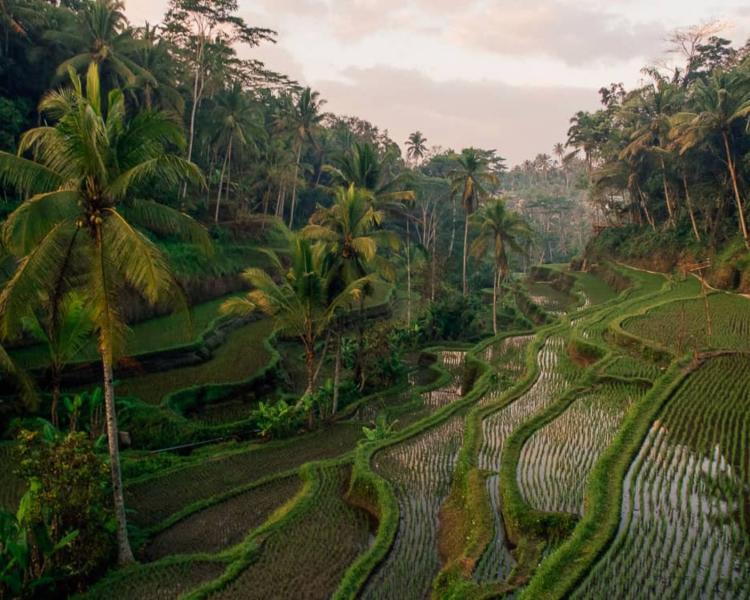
[[242, 354], [687, 496], [548, 297], [633, 367], [551, 382], [155, 498], [225, 524], [556, 460], [682, 325], [306, 557], [165, 580], [420, 470], [508, 357]]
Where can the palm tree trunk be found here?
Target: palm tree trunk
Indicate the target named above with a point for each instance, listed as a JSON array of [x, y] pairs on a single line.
[[494, 300], [644, 205], [294, 185], [221, 183], [667, 195], [55, 396], [336, 375], [466, 247], [124, 553], [453, 227], [408, 272], [735, 187], [229, 173], [197, 93], [689, 203]]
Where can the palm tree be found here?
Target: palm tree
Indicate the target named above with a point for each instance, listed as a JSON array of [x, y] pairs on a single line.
[[416, 146], [499, 230], [720, 103], [79, 225], [470, 179], [241, 125], [65, 330], [305, 116], [367, 169], [107, 40], [351, 229], [297, 295], [154, 87], [651, 110]]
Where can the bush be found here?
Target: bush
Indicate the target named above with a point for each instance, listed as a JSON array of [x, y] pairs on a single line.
[[453, 318], [67, 511]]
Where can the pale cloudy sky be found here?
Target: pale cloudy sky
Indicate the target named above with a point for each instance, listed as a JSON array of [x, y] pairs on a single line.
[[504, 74]]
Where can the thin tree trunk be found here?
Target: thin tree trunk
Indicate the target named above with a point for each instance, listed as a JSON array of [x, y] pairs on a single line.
[[494, 301], [408, 272], [336, 375], [55, 396], [221, 184], [294, 185], [228, 187], [322, 358], [667, 195], [124, 553], [690, 208], [644, 205], [197, 93], [735, 187], [466, 262], [453, 228]]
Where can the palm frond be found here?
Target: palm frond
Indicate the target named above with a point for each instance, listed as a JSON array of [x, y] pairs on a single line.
[[27, 176], [141, 264], [21, 293], [33, 219], [170, 169], [165, 220]]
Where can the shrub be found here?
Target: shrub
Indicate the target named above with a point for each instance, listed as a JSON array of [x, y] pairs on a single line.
[[68, 507]]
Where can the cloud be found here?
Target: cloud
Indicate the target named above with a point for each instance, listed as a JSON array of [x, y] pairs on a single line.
[[517, 121], [573, 33]]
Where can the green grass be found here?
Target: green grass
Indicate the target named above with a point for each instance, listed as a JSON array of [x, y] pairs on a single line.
[[171, 330], [166, 579], [306, 557], [682, 325], [157, 497], [236, 360], [597, 290], [224, 524]]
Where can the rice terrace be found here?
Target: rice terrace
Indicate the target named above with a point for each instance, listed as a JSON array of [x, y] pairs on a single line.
[[261, 338]]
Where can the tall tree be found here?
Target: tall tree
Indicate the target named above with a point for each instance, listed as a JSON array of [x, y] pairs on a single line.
[[416, 147], [241, 127], [103, 37], [499, 231], [64, 329], [296, 292], [203, 33], [79, 226], [722, 104], [470, 179], [304, 117], [351, 230]]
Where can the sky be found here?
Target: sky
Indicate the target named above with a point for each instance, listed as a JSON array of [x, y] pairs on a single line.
[[501, 74]]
